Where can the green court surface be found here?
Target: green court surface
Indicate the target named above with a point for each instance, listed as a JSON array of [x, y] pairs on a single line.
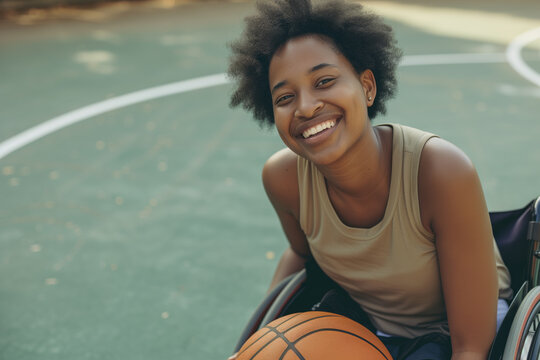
[[143, 232]]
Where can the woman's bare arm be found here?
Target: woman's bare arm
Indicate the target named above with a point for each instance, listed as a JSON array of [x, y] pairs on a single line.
[[280, 181], [454, 207]]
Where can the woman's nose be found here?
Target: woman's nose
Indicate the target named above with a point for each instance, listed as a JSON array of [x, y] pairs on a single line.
[[307, 105]]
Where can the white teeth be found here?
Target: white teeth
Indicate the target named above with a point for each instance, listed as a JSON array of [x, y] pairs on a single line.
[[318, 128]]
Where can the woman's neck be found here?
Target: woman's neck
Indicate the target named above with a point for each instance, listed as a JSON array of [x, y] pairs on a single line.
[[365, 169]]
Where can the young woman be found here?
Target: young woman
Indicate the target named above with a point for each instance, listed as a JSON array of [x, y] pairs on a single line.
[[394, 215]]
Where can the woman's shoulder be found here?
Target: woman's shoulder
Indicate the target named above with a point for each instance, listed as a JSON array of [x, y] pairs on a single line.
[[281, 163], [442, 161], [445, 172], [280, 179]]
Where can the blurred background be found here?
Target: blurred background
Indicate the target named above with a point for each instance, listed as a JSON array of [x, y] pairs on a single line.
[[133, 222]]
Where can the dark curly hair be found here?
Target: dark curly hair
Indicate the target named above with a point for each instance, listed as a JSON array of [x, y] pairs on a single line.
[[360, 36]]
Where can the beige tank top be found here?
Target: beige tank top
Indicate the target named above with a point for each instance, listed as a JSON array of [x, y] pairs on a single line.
[[390, 269]]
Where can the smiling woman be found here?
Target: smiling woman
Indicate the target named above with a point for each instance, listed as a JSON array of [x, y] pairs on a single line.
[[394, 216]]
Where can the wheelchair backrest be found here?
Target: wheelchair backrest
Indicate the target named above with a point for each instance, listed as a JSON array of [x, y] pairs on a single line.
[[510, 230]]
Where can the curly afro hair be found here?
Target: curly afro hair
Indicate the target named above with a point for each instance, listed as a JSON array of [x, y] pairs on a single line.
[[360, 36]]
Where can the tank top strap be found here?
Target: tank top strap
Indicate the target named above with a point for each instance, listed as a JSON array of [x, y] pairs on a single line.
[[414, 141]]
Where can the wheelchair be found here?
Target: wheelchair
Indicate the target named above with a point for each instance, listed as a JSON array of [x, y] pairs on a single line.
[[517, 234]]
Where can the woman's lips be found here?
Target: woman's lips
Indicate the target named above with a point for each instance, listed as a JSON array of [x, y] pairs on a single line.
[[316, 129], [307, 128], [320, 131]]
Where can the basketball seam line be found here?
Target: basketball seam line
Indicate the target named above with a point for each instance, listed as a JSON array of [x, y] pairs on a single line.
[[305, 321], [256, 341], [343, 331], [290, 344], [290, 318], [266, 333], [262, 347]]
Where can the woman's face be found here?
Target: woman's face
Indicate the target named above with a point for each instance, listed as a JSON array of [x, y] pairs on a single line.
[[320, 102]]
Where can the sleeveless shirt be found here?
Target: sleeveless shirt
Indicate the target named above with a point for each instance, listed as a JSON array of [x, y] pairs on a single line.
[[391, 269]]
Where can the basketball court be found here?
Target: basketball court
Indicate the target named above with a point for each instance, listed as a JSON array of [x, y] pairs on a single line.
[[133, 222]]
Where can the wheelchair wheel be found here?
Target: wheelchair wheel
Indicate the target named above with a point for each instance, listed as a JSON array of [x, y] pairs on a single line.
[[284, 297], [524, 339]]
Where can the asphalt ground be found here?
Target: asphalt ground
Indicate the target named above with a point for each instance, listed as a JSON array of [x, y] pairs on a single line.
[[133, 225]]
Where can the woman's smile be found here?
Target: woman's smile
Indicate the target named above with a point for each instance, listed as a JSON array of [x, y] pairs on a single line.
[[317, 129]]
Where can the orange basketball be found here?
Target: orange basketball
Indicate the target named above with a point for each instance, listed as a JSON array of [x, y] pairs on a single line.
[[313, 335]]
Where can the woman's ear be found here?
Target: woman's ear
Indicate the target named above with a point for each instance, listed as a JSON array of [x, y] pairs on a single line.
[[367, 79]]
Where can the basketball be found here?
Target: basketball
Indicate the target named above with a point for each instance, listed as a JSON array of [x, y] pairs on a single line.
[[313, 335]]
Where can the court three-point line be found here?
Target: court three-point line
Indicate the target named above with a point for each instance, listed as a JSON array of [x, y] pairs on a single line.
[[513, 54], [50, 126]]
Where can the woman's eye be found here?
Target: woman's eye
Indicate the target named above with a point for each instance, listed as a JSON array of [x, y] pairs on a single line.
[[283, 99], [326, 81]]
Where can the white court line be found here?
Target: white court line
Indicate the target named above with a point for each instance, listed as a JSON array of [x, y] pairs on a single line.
[[39, 131], [449, 59], [513, 54]]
